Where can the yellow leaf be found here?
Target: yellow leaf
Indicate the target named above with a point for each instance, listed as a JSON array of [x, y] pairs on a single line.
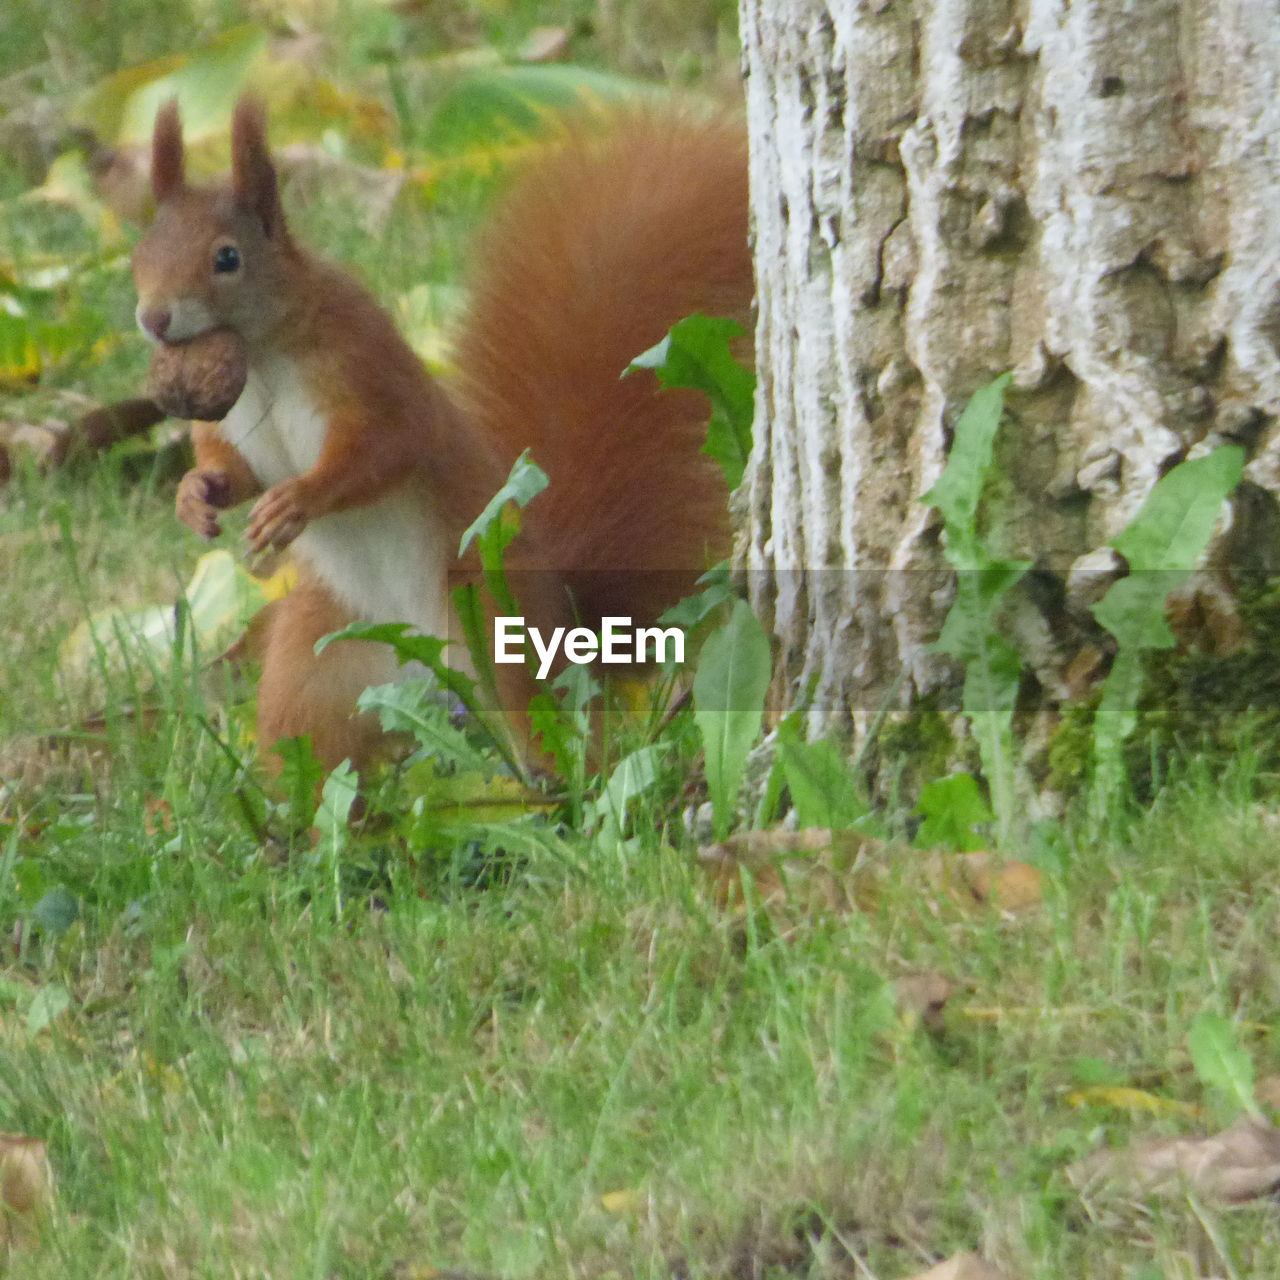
[[205, 81], [280, 581], [221, 596], [1122, 1098], [620, 1202]]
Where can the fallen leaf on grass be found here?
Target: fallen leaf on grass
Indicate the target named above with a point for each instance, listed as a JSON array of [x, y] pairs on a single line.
[[1124, 1098], [622, 1202], [963, 1266], [814, 868], [923, 997], [221, 596], [1238, 1164], [26, 1188], [820, 870], [45, 441]]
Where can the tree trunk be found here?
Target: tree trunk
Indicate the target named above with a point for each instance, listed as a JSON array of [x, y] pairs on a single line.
[[1086, 192]]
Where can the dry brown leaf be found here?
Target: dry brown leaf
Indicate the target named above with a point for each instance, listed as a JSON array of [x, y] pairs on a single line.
[[1011, 886], [924, 996], [45, 441], [813, 869], [1238, 1164], [26, 1188], [835, 871], [963, 1266]]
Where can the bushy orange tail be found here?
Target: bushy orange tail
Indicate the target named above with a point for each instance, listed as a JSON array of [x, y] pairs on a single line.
[[631, 225]]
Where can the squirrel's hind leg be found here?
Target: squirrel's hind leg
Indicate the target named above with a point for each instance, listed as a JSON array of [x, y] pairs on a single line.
[[305, 693]]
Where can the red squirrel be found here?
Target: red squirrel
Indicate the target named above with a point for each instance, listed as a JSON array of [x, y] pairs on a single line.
[[370, 469]]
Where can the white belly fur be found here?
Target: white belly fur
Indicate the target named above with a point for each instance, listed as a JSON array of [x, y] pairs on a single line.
[[388, 561]]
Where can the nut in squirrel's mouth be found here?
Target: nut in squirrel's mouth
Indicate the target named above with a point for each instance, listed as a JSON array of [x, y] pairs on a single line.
[[201, 377]]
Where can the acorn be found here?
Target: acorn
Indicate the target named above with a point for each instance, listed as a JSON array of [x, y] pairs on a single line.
[[201, 378]]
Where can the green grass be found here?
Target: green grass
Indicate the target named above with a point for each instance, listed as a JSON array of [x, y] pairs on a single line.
[[252, 1081], [271, 1066]]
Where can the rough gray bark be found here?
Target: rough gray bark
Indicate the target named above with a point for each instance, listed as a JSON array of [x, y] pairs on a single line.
[[1084, 191]]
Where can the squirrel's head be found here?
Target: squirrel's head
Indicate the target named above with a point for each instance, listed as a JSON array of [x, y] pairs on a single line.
[[214, 256]]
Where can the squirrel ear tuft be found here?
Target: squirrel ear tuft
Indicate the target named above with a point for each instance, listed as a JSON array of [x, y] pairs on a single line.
[[168, 162], [253, 176]]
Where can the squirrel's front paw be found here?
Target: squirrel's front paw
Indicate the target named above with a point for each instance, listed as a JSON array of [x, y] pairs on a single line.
[[277, 517], [201, 495]]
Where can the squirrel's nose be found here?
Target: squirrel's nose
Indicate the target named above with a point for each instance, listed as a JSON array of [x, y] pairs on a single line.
[[155, 320]]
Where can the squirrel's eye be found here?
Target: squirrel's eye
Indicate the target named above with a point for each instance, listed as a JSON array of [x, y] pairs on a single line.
[[227, 259]]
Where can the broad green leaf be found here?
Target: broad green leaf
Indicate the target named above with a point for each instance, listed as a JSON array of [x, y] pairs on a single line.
[[1133, 610], [414, 707], [1164, 542], [993, 670], [1220, 1062], [959, 489], [991, 686], [693, 610], [970, 622], [953, 807], [48, 1003], [632, 776], [1179, 515], [412, 646], [728, 696], [333, 823], [696, 354], [56, 912], [822, 786], [524, 483], [1162, 545]]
